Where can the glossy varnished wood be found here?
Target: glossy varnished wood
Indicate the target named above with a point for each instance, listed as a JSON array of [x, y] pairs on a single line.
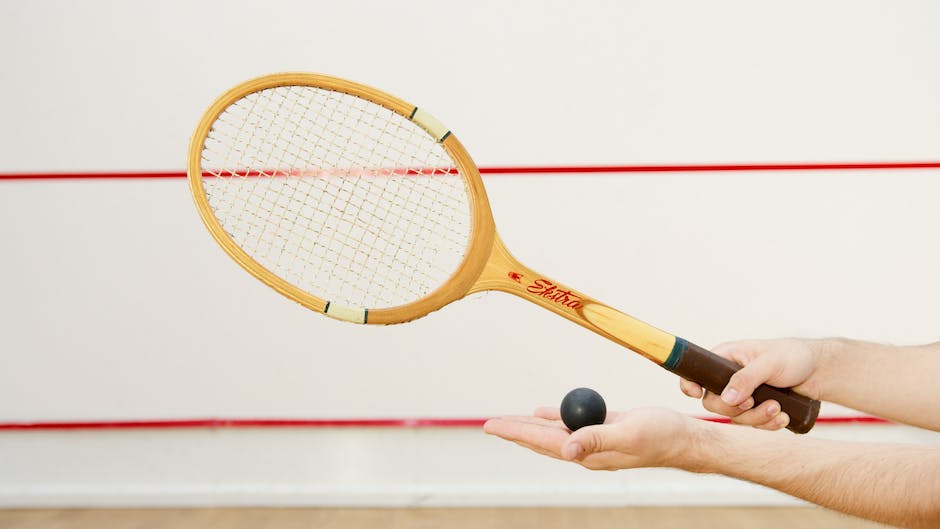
[[477, 518], [503, 272]]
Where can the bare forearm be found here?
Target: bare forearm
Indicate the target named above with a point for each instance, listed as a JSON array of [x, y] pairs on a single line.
[[888, 381], [895, 484]]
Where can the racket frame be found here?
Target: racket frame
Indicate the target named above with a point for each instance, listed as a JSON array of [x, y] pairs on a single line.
[[482, 230], [487, 264]]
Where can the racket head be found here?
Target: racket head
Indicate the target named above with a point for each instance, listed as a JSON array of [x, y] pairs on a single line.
[[343, 198]]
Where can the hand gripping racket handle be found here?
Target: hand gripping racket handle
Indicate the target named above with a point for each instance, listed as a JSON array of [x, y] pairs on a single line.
[[692, 362], [503, 272], [713, 372]]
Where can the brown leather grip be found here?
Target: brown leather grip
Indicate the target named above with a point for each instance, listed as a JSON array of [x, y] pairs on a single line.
[[713, 372]]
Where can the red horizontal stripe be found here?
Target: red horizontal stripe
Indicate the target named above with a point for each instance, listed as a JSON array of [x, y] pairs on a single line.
[[317, 423], [836, 166], [565, 169]]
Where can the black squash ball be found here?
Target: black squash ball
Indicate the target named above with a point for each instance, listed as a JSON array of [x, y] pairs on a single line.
[[583, 407]]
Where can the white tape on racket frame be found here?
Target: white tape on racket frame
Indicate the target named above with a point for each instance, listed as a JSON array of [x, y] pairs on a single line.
[[346, 313], [435, 128]]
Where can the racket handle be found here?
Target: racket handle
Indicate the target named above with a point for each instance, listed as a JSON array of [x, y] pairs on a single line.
[[713, 372]]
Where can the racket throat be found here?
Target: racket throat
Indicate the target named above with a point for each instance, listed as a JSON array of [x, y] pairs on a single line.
[[505, 273]]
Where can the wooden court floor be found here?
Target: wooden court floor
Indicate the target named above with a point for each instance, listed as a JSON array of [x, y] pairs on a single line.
[[470, 518]]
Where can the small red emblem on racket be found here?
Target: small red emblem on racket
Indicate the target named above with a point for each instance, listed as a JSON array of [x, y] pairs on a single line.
[[515, 276]]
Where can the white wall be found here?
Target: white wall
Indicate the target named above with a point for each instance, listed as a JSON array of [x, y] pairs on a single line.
[[116, 304]]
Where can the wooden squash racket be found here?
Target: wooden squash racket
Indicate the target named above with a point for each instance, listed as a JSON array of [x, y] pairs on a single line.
[[366, 208]]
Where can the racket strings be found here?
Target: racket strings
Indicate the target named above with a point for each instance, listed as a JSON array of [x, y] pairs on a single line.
[[397, 275], [341, 197], [333, 205]]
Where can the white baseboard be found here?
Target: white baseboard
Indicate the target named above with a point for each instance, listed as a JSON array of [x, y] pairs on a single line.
[[345, 467]]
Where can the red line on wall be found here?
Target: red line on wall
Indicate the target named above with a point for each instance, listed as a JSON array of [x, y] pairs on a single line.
[[136, 175], [822, 166], [318, 423], [561, 169]]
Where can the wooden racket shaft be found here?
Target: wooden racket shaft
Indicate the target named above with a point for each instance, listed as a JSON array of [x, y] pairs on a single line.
[[503, 272]]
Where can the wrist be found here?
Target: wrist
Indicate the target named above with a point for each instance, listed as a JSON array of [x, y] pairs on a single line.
[[698, 451], [829, 355], [737, 451], [826, 355]]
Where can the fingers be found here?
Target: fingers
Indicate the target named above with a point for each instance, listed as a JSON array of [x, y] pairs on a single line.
[[586, 441], [541, 435], [745, 381], [778, 422], [715, 404], [512, 423], [546, 434], [549, 413], [766, 416], [691, 389], [739, 352], [761, 364], [757, 369]]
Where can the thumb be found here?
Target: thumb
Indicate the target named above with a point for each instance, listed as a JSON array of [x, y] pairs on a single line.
[[585, 441], [745, 381]]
